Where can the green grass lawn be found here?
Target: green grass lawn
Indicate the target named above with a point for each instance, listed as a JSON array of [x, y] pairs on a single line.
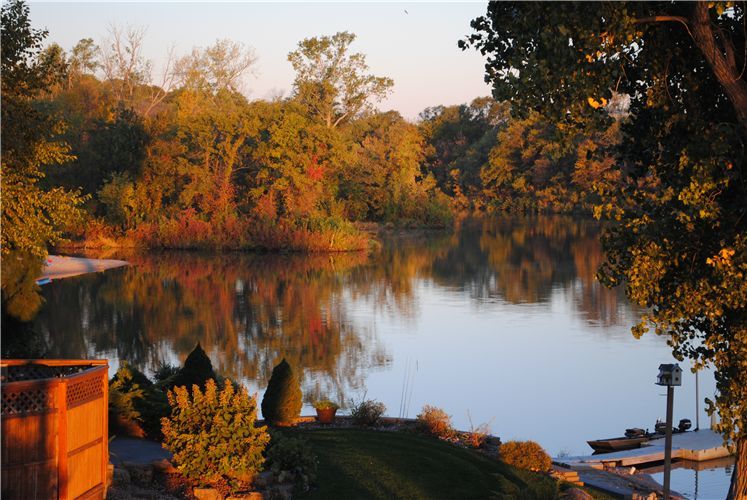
[[369, 464]]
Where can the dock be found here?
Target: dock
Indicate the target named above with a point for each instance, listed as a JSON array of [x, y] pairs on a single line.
[[694, 446]]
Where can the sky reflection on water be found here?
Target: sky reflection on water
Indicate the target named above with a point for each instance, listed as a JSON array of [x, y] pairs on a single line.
[[501, 321]]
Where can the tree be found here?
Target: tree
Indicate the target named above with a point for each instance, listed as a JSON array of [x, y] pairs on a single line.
[[32, 219], [385, 181], [218, 67], [282, 401], [128, 72], [333, 84], [460, 139], [678, 241], [83, 59]]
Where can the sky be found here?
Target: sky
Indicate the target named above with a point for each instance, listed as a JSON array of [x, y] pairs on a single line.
[[415, 44]]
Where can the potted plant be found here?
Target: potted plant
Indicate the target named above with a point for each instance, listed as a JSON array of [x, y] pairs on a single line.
[[325, 411]]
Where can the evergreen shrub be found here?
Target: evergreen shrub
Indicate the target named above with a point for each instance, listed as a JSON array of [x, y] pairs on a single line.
[[136, 405], [197, 370], [282, 402]]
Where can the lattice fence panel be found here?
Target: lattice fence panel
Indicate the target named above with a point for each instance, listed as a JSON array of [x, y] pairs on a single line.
[[85, 390], [26, 401]]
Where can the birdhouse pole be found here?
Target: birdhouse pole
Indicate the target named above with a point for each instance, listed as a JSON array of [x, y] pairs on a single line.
[[668, 441], [670, 375]]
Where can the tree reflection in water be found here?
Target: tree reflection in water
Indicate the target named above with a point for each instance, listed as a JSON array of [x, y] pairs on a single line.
[[249, 311]]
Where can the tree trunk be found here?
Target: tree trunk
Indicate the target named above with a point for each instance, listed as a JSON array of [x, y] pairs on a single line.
[[738, 489], [719, 52]]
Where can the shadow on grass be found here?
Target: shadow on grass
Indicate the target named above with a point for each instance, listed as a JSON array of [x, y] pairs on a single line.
[[386, 465]]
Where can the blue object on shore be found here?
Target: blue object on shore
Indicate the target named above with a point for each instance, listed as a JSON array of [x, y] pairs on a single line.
[[43, 281]]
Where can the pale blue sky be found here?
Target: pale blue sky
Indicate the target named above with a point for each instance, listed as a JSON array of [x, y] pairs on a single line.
[[416, 48]]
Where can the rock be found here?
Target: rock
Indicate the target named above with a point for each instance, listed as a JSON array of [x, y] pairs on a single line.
[[252, 495], [285, 477], [120, 477], [207, 494], [576, 494]]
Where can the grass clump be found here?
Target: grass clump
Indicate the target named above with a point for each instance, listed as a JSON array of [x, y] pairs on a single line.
[[435, 421], [367, 412]]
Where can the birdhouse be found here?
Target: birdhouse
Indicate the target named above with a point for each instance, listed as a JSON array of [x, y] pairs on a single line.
[[669, 375]]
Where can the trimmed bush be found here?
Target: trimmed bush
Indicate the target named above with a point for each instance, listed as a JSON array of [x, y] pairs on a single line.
[[281, 404], [435, 421], [368, 412], [212, 434], [525, 455], [197, 370]]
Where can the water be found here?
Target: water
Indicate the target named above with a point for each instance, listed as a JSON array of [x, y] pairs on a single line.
[[500, 321]]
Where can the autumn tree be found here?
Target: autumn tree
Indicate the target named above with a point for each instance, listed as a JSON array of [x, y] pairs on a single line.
[[214, 124], [32, 218], [332, 83], [386, 183], [295, 165], [459, 141], [678, 241]]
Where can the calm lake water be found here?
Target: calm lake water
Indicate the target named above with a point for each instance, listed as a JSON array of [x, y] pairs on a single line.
[[500, 321]]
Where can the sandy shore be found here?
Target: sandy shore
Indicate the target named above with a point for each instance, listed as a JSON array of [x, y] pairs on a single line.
[[59, 266]]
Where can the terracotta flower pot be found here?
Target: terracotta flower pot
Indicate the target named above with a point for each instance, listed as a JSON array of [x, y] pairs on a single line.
[[325, 415]]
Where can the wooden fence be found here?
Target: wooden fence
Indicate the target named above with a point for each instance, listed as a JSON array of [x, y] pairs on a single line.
[[54, 428]]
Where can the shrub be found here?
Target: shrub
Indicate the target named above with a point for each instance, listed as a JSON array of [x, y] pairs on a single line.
[[282, 402], [525, 455], [435, 422], [292, 454], [136, 405], [368, 412], [197, 370], [165, 371], [124, 418], [477, 436], [212, 434]]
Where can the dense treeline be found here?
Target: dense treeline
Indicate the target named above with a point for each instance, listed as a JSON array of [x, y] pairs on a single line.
[[188, 162]]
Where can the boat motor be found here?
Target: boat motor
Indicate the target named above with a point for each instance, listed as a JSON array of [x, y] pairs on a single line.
[[684, 425], [660, 427], [634, 432]]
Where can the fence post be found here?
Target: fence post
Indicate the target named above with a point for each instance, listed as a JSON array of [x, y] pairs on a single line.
[[105, 431], [62, 469]]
